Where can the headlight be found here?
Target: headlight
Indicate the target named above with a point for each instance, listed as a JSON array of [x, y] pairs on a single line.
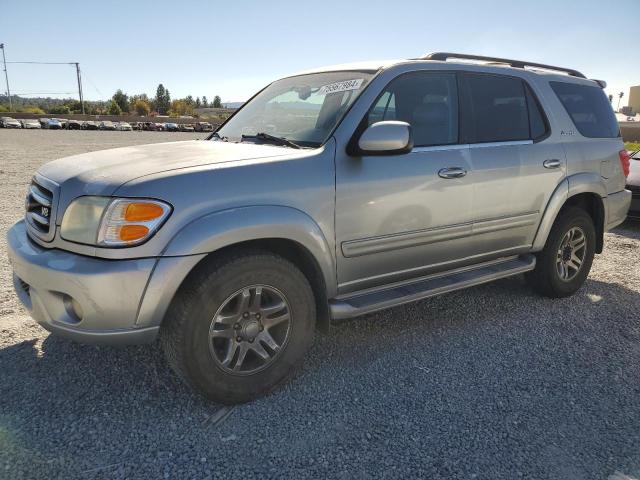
[[113, 222]]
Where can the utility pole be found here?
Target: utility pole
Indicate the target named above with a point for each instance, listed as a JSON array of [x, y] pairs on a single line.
[[6, 76], [79, 86]]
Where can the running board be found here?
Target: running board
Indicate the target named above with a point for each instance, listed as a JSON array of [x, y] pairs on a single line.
[[362, 303]]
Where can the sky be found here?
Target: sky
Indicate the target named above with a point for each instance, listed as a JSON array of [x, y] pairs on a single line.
[[234, 48]]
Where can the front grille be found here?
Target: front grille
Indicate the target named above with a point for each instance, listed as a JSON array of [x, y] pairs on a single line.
[[38, 205], [40, 208]]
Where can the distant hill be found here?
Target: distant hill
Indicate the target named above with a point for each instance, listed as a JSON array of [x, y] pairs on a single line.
[[232, 104]]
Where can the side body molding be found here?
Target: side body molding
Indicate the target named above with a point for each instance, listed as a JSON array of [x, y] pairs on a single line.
[[227, 227], [570, 186]]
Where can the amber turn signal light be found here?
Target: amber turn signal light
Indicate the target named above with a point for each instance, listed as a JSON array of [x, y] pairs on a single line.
[[130, 233], [142, 212]]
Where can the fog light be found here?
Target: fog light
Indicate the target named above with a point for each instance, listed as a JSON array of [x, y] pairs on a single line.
[[73, 308]]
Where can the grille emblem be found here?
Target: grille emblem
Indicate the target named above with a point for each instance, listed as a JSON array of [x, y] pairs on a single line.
[[45, 212]]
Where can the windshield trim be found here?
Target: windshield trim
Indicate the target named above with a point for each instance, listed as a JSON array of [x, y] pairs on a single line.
[[374, 74]]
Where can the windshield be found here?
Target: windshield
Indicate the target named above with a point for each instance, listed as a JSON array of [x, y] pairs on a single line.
[[303, 109]]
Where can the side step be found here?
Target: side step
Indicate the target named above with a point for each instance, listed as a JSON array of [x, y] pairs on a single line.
[[369, 301]]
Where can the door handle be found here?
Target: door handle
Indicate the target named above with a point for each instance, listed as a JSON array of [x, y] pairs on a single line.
[[452, 172], [551, 163]]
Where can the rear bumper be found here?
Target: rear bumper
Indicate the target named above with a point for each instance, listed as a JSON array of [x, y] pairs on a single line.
[[616, 207]]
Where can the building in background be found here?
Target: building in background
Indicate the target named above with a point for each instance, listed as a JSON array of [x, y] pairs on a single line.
[[634, 99]]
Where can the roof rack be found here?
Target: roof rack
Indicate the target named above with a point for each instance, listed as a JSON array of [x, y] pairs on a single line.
[[444, 56]]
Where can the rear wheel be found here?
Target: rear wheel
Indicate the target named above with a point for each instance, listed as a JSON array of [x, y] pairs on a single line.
[[565, 262], [239, 326]]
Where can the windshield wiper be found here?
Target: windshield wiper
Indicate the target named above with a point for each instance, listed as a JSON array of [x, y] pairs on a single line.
[[273, 139], [217, 135]]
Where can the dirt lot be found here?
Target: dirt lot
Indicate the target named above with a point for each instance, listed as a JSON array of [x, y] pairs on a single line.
[[493, 382]]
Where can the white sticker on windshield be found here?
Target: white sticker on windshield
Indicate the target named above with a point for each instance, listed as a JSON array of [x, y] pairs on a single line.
[[341, 86]]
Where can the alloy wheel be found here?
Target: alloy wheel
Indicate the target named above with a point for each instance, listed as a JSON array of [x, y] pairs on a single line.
[[250, 329], [571, 254]]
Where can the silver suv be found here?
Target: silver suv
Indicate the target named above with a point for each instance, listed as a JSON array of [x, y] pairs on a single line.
[[330, 194]]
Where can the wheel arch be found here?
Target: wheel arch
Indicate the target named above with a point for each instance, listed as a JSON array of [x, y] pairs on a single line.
[[583, 190], [284, 231]]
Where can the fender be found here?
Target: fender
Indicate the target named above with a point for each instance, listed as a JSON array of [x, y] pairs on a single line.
[[569, 187], [220, 229]]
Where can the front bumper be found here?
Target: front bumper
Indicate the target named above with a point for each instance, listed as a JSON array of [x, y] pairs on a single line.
[[87, 299], [616, 207]]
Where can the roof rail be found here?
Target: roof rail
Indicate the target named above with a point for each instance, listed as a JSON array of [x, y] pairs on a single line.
[[444, 56]]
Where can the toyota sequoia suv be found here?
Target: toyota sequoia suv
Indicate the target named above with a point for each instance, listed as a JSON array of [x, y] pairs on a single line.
[[330, 194]]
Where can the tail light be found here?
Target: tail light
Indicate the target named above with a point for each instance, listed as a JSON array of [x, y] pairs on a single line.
[[625, 161]]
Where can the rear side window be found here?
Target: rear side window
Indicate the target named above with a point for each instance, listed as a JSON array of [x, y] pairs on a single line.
[[589, 109], [495, 109]]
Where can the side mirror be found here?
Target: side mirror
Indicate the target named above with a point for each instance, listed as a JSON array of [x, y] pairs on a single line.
[[385, 138]]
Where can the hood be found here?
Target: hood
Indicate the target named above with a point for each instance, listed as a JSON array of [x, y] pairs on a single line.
[[102, 172]]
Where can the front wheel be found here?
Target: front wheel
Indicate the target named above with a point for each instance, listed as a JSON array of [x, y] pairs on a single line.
[[239, 326], [565, 262]]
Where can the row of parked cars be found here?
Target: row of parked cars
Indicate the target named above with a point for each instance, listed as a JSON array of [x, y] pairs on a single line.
[[63, 123]]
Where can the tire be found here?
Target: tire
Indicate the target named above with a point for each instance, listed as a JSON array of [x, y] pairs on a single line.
[[547, 277], [196, 348]]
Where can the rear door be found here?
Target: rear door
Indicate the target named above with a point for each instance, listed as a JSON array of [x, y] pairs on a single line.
[[516, 164]]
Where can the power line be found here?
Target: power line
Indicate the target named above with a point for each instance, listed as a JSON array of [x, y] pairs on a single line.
[[76, 64], [47, 63], [43, 93]]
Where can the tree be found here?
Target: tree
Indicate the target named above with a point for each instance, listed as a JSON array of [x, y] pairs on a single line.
[[620, 95], [141, 107], [198, 103], [205, 103], [134, 98], [35, 110], [76, 107], [122, 100], [60, 110], [180, 107], [189, 100], [162, 102], [113, 108], [217, 103]]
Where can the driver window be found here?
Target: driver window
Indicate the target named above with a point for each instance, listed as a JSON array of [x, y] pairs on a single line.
[[427, 101]]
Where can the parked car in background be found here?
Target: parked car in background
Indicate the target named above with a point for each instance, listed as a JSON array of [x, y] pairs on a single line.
[[89, 125], [171, 127], [107, 125], [186, 127], [73, 125], [151, 126], [8, 122], [30, 124], [63, 122], [53, 124], [203, 127], [123, 126], [633, 184], [43, 122]]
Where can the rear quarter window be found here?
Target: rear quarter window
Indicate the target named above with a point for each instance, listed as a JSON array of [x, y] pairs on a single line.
[[588, 108]]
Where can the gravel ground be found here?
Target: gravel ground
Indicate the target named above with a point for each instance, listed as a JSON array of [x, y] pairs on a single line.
[[492, 382]]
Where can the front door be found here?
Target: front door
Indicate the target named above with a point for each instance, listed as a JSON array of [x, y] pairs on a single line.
[[402, 216]]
